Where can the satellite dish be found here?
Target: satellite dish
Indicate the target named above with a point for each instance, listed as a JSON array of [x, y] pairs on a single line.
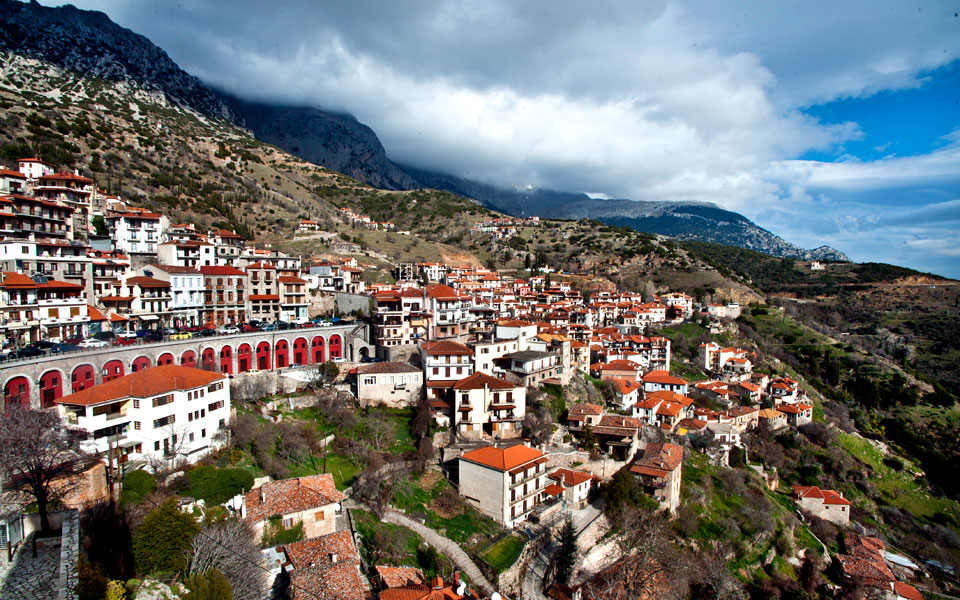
[[462, 588], [495, 596], [336, 507]]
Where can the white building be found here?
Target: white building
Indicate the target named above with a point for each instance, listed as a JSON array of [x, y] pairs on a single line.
[[136, 231], [186, 292], [164, 415], [187, 253]]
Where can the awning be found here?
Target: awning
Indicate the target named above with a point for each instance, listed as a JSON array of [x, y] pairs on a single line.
[[148, 317]]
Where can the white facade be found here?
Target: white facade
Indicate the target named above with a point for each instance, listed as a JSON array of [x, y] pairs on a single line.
[[136, 233]]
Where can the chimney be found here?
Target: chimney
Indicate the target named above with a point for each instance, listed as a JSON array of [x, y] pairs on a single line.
[[333, 557], [456, 578]]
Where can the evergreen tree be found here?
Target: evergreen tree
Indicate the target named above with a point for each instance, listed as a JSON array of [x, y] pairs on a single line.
[[162, 542], [567, 554], [209, 585]]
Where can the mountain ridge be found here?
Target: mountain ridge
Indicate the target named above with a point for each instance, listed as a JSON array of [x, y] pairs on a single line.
[[91, 44]]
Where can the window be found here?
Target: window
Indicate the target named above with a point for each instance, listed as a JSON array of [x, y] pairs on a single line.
[[369, 381], [191, 436], [190, 417], [319, 516], [203, 433], [161, 400], [215, 406], [203, 412], [288, 523], [136, 401], [157, 423], [156, 446], [222, 423], [136, 425]]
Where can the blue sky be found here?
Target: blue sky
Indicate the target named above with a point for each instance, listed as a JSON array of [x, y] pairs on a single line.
[[825, 122]]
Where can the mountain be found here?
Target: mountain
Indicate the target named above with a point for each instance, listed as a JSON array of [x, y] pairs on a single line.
[[88, 43]]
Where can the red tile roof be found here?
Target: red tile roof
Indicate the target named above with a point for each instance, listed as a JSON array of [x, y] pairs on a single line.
[[327, 567], [658, 459], [664, 377], [445, 347], [221, 270], [290, 496], [569, 477], [143, 384], [395, 577], [502, 459], [480, 380]]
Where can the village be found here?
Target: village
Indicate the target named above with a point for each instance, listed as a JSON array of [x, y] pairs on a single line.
[[216, 331]]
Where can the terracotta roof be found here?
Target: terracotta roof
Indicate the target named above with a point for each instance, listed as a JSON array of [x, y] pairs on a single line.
[[290, 279], [17, 280], [395, 577], [221, 270], [660, 376], [147, 282], [175, 269], [828, 496], [693, 424], [327, 567], [905, 590], [668, 396], [658, 459], [625, 386], [387, 367], [95, 315], [569, 477], [585, 409], [9, 173], [157, 380], [440, 292], [553, 490], [445, 347], [480, 380], [436, 590], [502, 459], [289, 496]]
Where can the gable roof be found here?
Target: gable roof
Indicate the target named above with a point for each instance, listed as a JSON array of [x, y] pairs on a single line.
[[502, 459], [479, 380], [443, 347], [145, 383], [658, 459], [289, 496], [664, 377], [317, 575], [569, 477]]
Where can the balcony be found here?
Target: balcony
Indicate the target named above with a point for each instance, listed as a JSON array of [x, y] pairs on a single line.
[[521, 497]]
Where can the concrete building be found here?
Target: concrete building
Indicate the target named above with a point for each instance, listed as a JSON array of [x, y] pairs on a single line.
[[137, 231], [575, 486], [486, 406], [392, 384], [162, 416], [503, 483]]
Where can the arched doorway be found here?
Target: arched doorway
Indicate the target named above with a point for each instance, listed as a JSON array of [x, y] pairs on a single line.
[[82, 377], [282, 353], [243, 358], [189, 359], [140, 363], [208, 360], [317, 350], [226, 360], [263, 356], [300, 354], [165, 359], [17, 391], [112, 370], [336, 346], [51, 388]]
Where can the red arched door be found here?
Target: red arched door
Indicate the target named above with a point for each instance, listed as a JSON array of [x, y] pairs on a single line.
[[263, 356], [189, 359], [282, 352], [317, 350], [82, 377], [336, 346], [51, 388], [300, 354], [112, 370], [165, 359], [243, 358], [140, 363], [226, 360], [17, 391], [208, 360]]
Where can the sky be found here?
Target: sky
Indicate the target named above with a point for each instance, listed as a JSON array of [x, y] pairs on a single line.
[[825, 122]]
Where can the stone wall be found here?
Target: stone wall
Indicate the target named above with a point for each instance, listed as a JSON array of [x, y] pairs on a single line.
[[69, 554], [347, 303]]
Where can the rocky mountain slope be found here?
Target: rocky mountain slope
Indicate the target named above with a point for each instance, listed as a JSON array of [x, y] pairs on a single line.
[[90, 44]]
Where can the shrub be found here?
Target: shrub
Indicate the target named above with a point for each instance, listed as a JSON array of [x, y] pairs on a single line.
[[136, 486], [274, 534], [91, 583], [216, 486], [209, 585], [163, 541]]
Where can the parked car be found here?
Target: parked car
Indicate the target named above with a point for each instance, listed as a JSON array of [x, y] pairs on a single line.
[[30, 352], [74, 340], [207, 332], [268, 327], [296, 366], [371, 359], [339, 359], [325, 324], [252, 371], [44, 344], [93, 343], [171, 331], [127, 335], [228, 330], [104, 336], [248, 328], [182, 335], [125, 341], [61, 348], [307, 324]]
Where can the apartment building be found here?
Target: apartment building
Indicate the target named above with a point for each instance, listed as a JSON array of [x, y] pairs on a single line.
[[54, 258], [224, 295], [35, 308], [263, 295], [228, 246], [26, 216], [137, 231], [444, 363], [161, 416], [187, 253], [293, 298], [659, 472], [186, 292], [400, 316], [69, 189], [505, 484], [451, 317], [485, 406]]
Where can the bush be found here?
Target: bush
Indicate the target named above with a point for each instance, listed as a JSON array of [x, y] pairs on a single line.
[[91, 583], [216, 486], [136, 486], [893, 462], [163, 541], [274, 533], [209, 585]]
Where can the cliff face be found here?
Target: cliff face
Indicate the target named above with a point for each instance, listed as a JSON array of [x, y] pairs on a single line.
[[90, 44]]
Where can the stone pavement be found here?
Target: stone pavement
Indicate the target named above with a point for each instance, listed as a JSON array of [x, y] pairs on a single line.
[[34, 578]]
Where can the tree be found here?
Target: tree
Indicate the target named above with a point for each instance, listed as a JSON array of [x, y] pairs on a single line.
[[100, 225], [137, 485], [162, 543], [376, 488], [567, 554], [209, 585], [37, 450], [230, 547]]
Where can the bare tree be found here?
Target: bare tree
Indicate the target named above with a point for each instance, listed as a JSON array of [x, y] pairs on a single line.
[[36, 451], [231, 548], [376, 488], [379, 431], [538, 425]]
